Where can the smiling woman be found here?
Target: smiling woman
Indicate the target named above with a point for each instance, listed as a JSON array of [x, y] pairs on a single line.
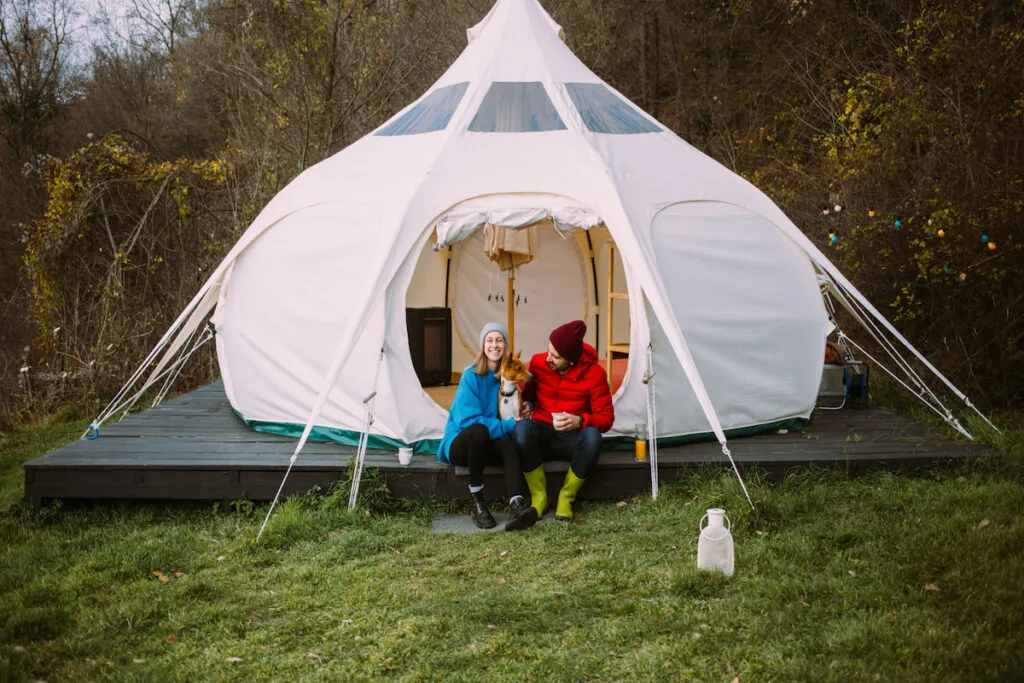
[[476, 435]]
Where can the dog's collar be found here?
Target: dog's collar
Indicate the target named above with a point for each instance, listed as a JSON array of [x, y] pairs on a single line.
[[514, 391]]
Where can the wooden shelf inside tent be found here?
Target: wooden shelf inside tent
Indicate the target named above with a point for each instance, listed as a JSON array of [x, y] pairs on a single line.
[[611, 346]]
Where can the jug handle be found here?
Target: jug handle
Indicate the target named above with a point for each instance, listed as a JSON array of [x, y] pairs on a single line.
[[728, 521]]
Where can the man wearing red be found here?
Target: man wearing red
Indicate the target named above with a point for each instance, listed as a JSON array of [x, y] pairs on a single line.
[[571, 408]]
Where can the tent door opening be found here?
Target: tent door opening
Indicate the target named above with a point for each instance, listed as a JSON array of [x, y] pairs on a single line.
[[567, 279]]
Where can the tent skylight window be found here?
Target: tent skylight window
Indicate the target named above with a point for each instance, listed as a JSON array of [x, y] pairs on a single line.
[[432, 113], [605, 112], [516, 108]]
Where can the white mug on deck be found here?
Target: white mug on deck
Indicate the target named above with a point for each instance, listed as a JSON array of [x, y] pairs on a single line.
[[404, 456]]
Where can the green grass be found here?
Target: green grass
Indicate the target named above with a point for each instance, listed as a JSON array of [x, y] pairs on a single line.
[[883, 577]]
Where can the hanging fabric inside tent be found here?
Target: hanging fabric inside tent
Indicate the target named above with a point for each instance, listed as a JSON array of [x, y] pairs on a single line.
[[510, 248]]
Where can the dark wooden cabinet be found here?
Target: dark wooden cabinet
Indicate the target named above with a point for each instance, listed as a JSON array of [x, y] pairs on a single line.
[[430, 344]]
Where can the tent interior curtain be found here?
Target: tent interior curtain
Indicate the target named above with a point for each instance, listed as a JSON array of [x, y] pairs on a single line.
[[510, 248]]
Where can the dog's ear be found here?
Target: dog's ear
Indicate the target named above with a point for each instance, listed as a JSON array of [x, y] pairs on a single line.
[[518, 353]]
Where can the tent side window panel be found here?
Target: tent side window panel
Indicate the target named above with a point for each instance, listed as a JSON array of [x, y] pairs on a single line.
[[748, 306], [603, 111], [431, 113]]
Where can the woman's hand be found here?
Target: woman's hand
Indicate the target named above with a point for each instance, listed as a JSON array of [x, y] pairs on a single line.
[[525, 410]]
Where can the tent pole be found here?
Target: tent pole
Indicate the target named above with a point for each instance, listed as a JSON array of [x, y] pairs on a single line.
[[511, 311]]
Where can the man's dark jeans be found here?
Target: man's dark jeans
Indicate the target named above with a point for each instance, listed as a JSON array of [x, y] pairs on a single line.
[[539, 441]]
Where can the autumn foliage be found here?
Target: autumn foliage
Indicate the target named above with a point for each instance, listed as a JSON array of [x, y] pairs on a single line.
[[890, 131]]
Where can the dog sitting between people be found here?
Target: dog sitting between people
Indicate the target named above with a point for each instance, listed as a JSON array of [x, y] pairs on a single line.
[[513, 372]]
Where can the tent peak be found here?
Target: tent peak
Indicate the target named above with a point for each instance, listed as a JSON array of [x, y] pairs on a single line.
[[499, 13]]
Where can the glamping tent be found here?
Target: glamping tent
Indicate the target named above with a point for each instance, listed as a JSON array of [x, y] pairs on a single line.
[[718, 293]]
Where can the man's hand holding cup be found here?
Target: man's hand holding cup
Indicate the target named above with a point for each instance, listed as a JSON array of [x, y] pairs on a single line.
[[564, 422]]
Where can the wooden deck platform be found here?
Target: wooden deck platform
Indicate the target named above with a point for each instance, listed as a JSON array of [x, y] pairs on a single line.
[[195, 448]]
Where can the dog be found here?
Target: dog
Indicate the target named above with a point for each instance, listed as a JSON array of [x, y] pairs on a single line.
[[512, 373]]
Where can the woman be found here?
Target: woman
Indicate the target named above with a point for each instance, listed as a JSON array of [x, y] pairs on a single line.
[[475, 436]]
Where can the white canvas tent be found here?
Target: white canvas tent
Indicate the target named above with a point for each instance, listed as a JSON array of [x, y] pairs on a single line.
[[309, 306]]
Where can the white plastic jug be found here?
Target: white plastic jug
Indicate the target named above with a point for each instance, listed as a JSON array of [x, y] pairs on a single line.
[[714, 548]]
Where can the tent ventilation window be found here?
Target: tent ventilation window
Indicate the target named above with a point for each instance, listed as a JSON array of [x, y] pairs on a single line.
[[605, 112], [431, 113], [516, 108]]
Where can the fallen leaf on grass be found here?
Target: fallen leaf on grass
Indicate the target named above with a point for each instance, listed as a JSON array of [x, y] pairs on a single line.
[[139, 660], [347, 621], [221, 558], [180, 575], [233, 660], [312, 655], [19, 648], [160, 575], [620, 504], [781, 431], [171, 639], [736, 680], [503, 553], [983, 523], [931, 587], [501, 579]]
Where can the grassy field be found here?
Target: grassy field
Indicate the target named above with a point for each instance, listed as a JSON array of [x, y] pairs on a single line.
[[884, 577]]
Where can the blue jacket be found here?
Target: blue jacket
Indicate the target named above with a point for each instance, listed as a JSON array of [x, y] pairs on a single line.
[[476, 402]]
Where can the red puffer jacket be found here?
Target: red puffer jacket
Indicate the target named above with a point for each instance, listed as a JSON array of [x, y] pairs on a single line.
[[581, 391]]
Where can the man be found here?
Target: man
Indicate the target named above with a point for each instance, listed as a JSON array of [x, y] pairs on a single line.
[[571, 407]]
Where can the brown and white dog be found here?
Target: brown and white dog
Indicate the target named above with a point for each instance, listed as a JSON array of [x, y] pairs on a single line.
[[512, 373]]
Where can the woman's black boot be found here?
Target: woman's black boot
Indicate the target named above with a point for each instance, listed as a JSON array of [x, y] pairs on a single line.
[[482, 517]]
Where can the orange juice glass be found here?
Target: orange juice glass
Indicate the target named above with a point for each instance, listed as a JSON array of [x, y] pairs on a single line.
[[640, 437]]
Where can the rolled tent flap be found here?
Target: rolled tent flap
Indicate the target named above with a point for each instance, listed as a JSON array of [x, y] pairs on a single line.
[[511, 211]]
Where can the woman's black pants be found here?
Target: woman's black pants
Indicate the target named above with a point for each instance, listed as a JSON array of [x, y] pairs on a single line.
[[474, 448]]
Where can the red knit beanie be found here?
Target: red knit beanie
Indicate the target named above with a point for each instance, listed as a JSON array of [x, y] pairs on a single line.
[[568, 340]]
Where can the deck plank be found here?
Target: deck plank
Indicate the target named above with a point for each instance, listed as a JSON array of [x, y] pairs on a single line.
[[195, 447]]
